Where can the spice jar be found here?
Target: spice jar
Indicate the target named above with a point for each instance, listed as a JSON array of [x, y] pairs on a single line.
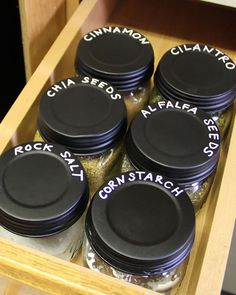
[[121, 56], [43, 197], [140, 228], [201, 75], [178, 140], [89, 117]]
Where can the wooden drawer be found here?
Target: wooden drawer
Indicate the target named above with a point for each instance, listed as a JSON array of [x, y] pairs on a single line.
[[165, 24]]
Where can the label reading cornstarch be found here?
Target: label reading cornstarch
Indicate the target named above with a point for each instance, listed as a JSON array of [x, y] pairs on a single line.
[[139, 176]]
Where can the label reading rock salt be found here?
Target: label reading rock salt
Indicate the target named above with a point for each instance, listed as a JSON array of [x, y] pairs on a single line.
[[67, 156]]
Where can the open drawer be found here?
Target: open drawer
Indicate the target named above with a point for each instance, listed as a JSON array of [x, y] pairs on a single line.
[[25, 271]]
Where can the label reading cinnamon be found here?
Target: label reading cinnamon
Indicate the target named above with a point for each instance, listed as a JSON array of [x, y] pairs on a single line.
[[101, 31]]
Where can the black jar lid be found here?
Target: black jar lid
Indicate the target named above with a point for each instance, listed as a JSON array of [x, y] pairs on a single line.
[[84, 114], [176, 139], [119, 55], [198, 74], [141, 223], [43, 189]]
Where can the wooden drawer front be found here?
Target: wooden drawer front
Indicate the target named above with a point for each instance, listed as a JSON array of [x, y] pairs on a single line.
[[11, 287], [166, 24]]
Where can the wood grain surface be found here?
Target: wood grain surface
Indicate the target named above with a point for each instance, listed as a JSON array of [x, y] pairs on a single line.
[[166, 24], [41, 23]]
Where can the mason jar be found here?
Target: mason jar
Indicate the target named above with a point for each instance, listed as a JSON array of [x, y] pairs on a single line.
[[43, 198], [140, 228], [121, 56], [201, 75], [89, 117], [178, 140]]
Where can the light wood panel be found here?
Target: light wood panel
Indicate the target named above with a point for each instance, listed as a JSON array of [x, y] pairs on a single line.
[[55, 276], [41, 23], [12, 287], [160, 22], [218, 244], [71, 6]]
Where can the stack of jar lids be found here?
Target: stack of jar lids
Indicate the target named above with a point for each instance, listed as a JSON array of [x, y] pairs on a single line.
[[87, 116], [140, 226], [41, 191], [197, 74], [121, 56], [183, 144]]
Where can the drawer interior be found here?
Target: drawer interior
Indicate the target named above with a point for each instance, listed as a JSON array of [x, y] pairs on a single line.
[[166, 24]]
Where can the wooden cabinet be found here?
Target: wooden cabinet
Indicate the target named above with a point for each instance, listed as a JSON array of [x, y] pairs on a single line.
[[41, 22], [165, 23]]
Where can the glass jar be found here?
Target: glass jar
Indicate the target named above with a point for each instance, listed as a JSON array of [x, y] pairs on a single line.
[[43, 198], [89, 117], [201, 75], [121, 56], [178, 140], [140, 228]]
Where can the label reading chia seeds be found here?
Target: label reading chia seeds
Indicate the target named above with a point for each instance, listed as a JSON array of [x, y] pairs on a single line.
[[70, 82]]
